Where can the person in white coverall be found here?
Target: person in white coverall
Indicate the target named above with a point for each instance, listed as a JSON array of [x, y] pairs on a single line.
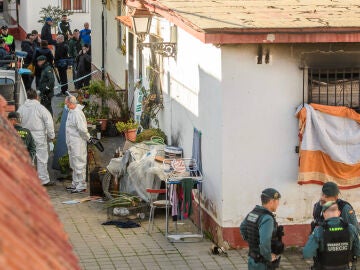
[[77, 137], [39, 121]]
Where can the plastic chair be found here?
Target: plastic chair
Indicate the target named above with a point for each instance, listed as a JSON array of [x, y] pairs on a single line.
[[156, 204]]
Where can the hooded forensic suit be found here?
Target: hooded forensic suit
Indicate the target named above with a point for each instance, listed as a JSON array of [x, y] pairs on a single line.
[[39, 121], [77, 136]]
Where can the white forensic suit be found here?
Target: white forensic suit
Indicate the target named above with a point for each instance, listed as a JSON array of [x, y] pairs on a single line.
[[39, 121], [77, 136]]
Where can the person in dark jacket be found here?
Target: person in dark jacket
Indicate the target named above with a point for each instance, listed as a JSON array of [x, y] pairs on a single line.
[[24, 134], [4, 55], [9, 39], [28, 46], [74, 49], [43, 50], [83, 63], [64, 28], [46, 31], [61, 62], [334, 243], [330, 192], [259, 228], [46, 83], [37, 39]]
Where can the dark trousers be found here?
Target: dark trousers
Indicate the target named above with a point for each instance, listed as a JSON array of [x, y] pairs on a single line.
[[46, 100], [85, 81], [63, 78], [27, 79]]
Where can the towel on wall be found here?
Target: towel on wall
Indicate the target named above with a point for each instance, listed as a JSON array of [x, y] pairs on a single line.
[[329, 145]]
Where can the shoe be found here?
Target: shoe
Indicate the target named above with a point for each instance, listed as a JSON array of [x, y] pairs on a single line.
[[78, 191], [70, 188], [49, 184]]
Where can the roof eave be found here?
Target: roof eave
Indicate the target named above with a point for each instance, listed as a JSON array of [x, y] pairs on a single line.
[[315, 35], [256, 35]]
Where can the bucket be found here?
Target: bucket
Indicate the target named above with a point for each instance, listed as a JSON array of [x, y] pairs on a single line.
[[173, 152], [97, 144]]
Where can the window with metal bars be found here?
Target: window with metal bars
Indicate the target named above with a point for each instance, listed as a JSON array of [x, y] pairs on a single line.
[[336, 87]]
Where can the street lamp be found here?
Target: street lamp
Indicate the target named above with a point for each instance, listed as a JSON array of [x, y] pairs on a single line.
[[141, 21]]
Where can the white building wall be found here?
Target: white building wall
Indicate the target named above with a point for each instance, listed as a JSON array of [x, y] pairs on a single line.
[[96, 11], [260, 134], [29, 15], [192, 99], [114, 62]]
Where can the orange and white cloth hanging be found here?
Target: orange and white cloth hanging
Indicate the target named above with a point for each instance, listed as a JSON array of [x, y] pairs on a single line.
[[329, 145]]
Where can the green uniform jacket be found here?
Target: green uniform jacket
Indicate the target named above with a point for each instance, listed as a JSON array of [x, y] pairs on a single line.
[[315, 240], [47, 79], [266, 228], [28, 139], [74, 47]]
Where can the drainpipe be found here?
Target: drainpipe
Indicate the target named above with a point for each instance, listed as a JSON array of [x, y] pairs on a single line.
[[103, 42]]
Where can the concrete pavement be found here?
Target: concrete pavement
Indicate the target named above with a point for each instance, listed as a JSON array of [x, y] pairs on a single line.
[[101, 247], [108, 247]]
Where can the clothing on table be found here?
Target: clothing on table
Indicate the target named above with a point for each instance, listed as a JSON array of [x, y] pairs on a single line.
[[36, 118]]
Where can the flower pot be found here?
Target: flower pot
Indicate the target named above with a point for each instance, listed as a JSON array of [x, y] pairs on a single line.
[[130, 134], [103, 123]]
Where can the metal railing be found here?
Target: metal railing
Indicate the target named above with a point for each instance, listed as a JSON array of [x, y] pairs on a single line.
[[336, 87]]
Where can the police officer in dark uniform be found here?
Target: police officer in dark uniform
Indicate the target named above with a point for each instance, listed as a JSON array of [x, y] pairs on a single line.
[[263, 234], [330, 192], [24, 134], [46, 83], [334, 242]]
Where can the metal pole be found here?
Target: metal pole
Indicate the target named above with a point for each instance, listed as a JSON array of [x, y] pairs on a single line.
[[102, 44]]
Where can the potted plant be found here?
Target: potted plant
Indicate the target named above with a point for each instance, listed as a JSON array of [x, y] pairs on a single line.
[[129, 129], [104, 115]]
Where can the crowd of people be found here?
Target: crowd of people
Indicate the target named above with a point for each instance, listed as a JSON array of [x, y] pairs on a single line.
[[69, 50], [50, 59], [333, 242]]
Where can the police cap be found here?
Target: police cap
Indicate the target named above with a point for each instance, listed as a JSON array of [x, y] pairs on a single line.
[[4, 27], [330, 189], [271, 193]]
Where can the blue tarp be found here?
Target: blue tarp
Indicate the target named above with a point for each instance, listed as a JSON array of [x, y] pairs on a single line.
[[60, 147]]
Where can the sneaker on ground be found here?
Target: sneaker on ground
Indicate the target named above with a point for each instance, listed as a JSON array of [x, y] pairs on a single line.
[[51, 183], [78, 191]]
